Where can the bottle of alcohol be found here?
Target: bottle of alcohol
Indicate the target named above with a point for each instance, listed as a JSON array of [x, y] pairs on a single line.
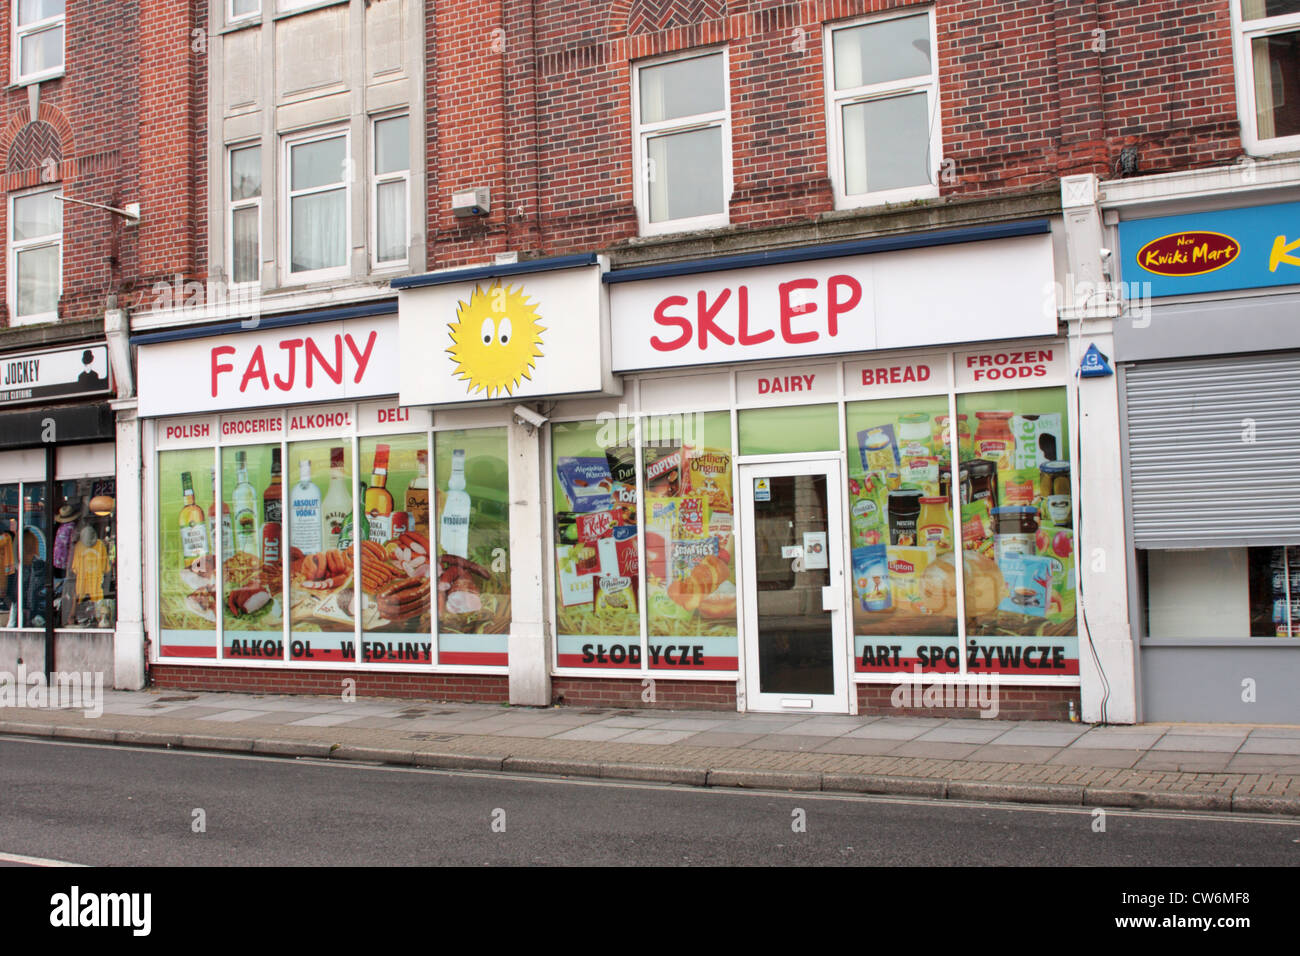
[[305, 512], [227, 529], [338, 501], [454, 526], [194, 532], [345, 536], [379, 502], [272, 513], [245, 498], [417, 494]]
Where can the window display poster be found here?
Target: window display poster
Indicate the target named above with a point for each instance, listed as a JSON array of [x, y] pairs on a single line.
[[901, 531], [1017, 533], [187, 593], [690, 539], [252, 603], [319, 522], [473, 536], [594, 490]]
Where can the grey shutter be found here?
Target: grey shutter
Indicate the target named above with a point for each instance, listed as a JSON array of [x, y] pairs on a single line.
[[1197, 479]]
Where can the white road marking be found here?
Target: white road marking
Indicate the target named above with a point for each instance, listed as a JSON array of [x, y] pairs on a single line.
[[34, 860]]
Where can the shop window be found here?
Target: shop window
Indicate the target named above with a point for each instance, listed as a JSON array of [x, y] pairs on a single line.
[[902, 535], [1215, 593], [252, 496], [321, 527], [243, 10], [473, 536], [245, 214], [690, 543], [35, 255], [883, 100], [682, 136], [10, 556], [318, 170], [1268, 73], [187, 592], [38, 39], [84, 554], [1015, 484], [390, 233], [598, 622], [782, 430]]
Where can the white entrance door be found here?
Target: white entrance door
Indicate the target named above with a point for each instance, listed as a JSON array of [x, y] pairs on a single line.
[[793, 583]]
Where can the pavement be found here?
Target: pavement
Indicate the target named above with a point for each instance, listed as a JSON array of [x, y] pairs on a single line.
[[1215, 767]]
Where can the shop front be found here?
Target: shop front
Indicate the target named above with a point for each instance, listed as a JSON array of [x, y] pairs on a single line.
[[58, 506], [1210, 384]]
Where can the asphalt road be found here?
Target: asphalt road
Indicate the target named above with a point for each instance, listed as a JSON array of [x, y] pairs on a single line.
[[113, 806]]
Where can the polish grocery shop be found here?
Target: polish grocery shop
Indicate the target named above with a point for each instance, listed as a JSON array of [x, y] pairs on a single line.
[[767, 483]]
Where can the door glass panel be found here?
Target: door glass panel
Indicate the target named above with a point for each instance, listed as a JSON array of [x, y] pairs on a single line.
[[187, 577], [9, 557], [778, 431], [795, 642], [901, 529]]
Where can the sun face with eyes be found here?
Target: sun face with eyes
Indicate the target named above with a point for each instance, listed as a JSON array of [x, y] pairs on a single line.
[[494, 339]]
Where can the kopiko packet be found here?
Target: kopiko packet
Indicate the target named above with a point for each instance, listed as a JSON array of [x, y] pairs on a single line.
[[708, 475], [663, 477], [586, 482]]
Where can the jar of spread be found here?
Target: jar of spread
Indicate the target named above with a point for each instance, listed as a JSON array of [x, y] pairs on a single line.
[[1054, 486], [942, 436], [914, 435], [1015, 531], [904, 510], [982, 477], [934, 525], [993, 439]]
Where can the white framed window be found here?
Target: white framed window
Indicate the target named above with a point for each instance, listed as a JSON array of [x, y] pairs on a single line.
[[390, 232], [882, 96], [244, 226], [681, 122], [1267, 57], [237, 10], [35, 261], [37, 50], [316, 219]]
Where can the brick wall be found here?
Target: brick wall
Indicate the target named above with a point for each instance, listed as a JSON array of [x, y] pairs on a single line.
[[1014, 703], [485, 688], [668, 694]]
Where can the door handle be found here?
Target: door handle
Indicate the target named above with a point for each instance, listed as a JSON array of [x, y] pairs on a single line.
[[832, 598]]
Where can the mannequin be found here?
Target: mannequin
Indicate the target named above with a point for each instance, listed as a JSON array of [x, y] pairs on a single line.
[[89, 562]]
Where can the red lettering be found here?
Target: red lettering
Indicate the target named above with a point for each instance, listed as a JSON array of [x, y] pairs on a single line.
[[788, 311], [362, 358], [219, 366], [743, 331], [923, 373], [834, 307], [764, 386], [290, 345], [808, 380], [256, 369], [664, 319], [707, 325], [314, 357]]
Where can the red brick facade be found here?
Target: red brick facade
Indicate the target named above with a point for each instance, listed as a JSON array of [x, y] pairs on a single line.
[[490, 689]]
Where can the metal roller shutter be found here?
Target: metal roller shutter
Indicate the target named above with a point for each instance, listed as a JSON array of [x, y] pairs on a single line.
[[1214, 451]]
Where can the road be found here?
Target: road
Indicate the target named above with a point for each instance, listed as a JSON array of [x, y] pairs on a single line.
[[103, 805]]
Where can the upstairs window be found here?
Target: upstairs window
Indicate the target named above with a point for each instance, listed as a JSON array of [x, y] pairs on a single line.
[[38, 39], [319, 173], [1268, 73], [245, 214], [683, 142], [883, 99], [35, 263], [243, 10], [392, 172]]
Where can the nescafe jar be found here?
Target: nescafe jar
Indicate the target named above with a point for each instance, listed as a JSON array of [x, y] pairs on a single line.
[[982, 476], [904, 510]]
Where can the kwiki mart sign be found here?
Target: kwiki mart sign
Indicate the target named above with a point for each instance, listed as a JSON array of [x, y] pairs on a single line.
[[1247, 248]]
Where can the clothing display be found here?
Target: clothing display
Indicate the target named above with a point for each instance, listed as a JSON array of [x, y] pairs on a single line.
[[88, 567]]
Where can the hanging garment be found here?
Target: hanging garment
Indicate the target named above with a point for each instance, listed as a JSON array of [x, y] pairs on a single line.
[[88, 567]]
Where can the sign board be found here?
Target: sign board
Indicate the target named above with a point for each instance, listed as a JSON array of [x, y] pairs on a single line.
[[1249, 248], [53, 374], [531, 335], [1094, 364], [325, 362], [973, 291]]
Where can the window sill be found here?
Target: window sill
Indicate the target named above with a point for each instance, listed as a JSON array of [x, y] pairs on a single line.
[[20, 82], [243, 24], [683, 226], [47, 318], [892, 197], [306, 8]]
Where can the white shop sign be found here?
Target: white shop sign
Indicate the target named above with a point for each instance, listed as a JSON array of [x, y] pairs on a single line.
[[515, 337], [814, 383], [1032, 366], [974, 291], [887, 378], [328, 361]]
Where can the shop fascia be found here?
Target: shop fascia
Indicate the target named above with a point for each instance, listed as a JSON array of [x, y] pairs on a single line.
[[620, 609]]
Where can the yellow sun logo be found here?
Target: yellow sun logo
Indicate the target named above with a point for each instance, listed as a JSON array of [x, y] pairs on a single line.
[[494, 340]]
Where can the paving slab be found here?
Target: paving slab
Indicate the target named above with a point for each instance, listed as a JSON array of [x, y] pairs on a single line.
[[1270, 745], [711, 738], [858, 745], [1189, 761], [594, 732], [961, 735], [1215, 743], [232, 716], [787, 742], [889, 730], [1028, 738], [921, 748], [323, 720], [1116, 741], [997, 752], [1264, 763], [1095, 757]]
